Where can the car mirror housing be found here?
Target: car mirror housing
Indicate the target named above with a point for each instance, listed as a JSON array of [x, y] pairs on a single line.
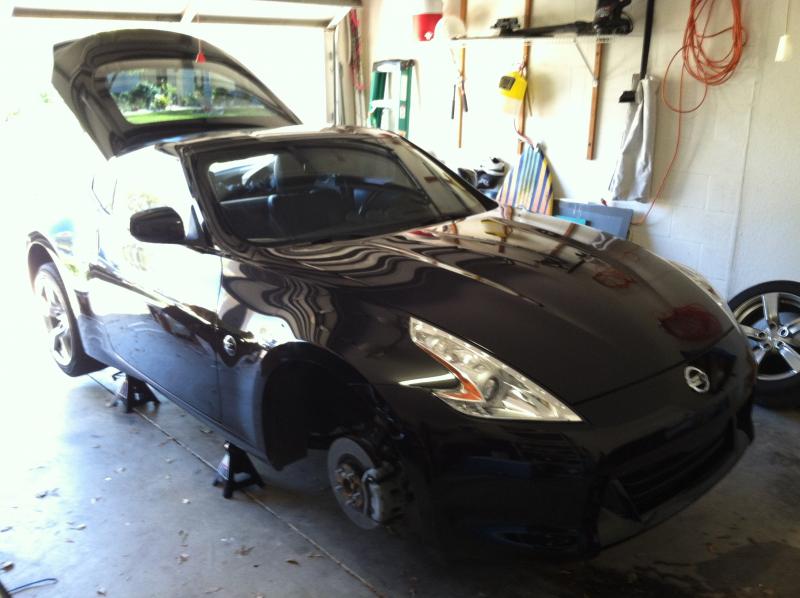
[[158, 225]]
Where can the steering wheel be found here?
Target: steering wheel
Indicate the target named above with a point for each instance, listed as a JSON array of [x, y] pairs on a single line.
[[379, 189]]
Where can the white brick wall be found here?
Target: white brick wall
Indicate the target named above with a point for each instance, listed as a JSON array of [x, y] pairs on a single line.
[[697, 221]]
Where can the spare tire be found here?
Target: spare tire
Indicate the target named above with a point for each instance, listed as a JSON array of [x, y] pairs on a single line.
[[769, 316]]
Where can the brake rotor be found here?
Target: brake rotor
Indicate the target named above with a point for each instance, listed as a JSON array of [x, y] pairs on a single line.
[[347, 464]]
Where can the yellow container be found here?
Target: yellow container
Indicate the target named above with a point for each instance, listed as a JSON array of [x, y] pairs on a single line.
[[512, 87]]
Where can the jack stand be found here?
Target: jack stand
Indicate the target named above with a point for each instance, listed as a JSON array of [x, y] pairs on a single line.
[[134, 393], [236, 471]]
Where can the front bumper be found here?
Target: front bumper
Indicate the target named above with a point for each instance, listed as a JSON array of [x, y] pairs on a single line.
[[642, 454]]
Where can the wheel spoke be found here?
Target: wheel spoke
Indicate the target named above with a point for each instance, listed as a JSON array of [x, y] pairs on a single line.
[[791, 356], [47, 307], [56, 332], [759, 353], [793, 327], [770, 303], [750, 332]]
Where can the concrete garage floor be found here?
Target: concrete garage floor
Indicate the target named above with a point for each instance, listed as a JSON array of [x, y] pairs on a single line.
[[122, 505]]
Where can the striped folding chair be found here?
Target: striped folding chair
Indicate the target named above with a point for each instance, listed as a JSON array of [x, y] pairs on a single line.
[[529, 186]]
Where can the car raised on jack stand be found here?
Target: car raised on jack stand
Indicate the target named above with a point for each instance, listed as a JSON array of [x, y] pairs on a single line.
[[526, 381]]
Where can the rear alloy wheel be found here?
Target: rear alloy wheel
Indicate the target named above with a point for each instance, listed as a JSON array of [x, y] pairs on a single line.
[[769, 316], [63, 338]]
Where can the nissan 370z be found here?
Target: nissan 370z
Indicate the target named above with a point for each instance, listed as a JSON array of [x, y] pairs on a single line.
[[496, 377]]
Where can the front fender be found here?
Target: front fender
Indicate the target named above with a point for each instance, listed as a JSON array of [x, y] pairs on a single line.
[[67, 268]]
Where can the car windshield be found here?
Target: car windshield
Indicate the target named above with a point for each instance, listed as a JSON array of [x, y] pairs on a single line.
[[155, 91], [326, 191]]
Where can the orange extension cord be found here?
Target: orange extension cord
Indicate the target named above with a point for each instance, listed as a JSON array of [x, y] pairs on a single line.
[[701, 66]]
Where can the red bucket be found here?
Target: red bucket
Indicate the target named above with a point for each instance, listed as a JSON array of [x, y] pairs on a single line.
[[430, 12]]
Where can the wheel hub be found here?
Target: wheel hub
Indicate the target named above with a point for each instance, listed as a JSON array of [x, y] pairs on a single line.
[[350, 486], [348, 462]]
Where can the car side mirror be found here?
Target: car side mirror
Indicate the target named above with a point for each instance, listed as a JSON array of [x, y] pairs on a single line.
[[158, 225]]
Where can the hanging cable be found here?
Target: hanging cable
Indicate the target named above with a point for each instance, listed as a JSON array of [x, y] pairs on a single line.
[[31, 585], [701, 65]]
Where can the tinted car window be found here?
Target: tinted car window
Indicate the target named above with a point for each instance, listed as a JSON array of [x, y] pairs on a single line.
[[165, 90], [320, 192]]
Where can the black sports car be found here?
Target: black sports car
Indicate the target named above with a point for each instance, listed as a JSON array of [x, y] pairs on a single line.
[[525, 380]]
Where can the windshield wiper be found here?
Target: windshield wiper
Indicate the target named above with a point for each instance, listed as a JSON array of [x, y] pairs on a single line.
[[391, 228]]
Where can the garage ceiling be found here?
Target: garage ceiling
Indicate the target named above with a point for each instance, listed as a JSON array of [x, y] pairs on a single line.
[[321, 13]]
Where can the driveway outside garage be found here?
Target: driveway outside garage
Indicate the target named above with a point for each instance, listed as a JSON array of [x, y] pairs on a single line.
[[127, 479]]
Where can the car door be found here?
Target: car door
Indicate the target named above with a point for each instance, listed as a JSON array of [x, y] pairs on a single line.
[[131, 90], [157, 302]]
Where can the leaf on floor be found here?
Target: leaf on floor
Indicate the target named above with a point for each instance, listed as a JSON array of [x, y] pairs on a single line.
[[7, 566], [43, 493], [79, 527], [108, 478], [169, 459], [8, 528], [212, 590], [120, 469], [186, 501], [244, 550], [101, 591], [182, 558], [292, 562]]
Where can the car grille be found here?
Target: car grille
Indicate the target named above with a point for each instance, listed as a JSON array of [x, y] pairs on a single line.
[[658, 482]]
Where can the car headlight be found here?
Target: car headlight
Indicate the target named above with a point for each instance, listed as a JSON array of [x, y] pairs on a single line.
[[480, 385], [707, 287]]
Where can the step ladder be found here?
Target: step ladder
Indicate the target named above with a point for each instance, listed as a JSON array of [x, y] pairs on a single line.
[[391, 112]]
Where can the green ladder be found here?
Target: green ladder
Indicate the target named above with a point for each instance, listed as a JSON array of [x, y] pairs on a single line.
[[391, 75]]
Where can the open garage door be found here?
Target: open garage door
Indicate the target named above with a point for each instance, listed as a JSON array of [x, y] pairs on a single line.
[[282, 42]]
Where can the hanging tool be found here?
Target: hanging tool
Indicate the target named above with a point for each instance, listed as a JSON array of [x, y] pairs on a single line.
[[629, 96], [456, 25], [458, 89], [462, 73], [388, 74], [609, 19]]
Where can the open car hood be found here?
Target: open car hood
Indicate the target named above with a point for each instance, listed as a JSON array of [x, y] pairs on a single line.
[[85, 73]]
